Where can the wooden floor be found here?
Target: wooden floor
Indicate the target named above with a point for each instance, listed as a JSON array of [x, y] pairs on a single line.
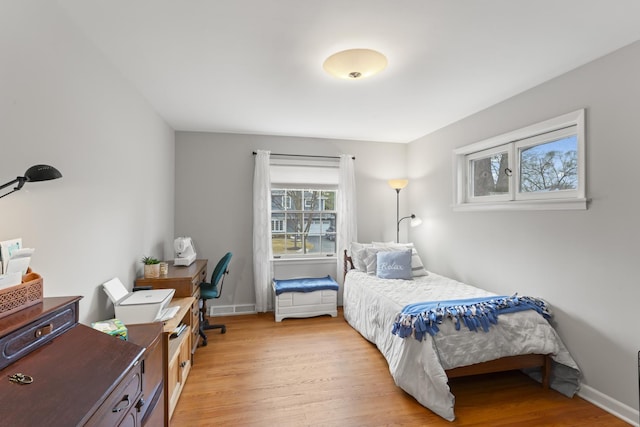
[[321, 372]]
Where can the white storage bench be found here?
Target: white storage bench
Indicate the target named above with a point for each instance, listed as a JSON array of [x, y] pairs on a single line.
[[305, 297]]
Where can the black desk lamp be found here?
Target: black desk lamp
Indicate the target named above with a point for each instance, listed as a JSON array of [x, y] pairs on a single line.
[[33, 174]]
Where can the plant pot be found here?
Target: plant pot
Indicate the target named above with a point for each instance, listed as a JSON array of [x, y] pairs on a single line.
[[151, 271]]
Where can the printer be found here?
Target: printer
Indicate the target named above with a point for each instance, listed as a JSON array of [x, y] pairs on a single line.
[[142, 306]]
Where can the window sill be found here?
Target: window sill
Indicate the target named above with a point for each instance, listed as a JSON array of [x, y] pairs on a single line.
[[524, 205], [306, 259]]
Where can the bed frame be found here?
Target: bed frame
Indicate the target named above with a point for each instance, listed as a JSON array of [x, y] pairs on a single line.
[[510, 363]]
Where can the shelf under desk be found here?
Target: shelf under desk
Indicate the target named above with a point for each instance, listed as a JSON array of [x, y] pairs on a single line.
[[177, 352]]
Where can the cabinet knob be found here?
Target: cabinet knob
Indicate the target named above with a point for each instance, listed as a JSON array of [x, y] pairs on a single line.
[[183, 363], [140, 404]]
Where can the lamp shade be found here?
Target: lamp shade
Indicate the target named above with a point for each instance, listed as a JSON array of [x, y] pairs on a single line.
[[398, 184], [33, 174], [41, 173], [355, 63]]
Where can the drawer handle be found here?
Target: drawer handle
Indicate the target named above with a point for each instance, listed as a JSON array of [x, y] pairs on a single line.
[[45, 330], [120, 407], [183, 364]]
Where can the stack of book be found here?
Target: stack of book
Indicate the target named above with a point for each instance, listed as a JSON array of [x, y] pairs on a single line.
[[113, 327]]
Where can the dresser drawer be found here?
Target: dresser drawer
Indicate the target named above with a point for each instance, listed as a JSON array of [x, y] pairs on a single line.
[[199, 278], [25, 340], [121, 400], [195, 327]]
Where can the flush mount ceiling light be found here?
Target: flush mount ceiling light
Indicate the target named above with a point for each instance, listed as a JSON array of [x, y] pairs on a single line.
[[355, 64]]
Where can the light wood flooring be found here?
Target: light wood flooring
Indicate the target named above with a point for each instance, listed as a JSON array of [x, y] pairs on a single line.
[[321, 372]]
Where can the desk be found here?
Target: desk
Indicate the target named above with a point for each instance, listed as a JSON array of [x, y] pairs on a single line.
[[177, 352], [186, 281]]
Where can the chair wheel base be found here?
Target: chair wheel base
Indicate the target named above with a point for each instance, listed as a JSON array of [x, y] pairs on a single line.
[[223, 328]]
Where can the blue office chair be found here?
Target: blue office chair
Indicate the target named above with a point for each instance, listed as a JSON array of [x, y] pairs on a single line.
[[213, 291]]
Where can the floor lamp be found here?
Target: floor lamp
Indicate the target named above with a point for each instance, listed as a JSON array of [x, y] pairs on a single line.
[[399, 184]]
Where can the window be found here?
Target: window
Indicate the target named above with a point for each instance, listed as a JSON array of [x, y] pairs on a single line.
[[303, 221], [303, 208], [538, 167]]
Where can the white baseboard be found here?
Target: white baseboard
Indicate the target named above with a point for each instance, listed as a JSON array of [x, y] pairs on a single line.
[[231, 310], [601, 400]]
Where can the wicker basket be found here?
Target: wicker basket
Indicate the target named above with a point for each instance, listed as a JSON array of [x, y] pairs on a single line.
[[26, 294]]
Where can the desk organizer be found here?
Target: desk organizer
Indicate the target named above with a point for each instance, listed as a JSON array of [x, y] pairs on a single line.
[[18, 297]]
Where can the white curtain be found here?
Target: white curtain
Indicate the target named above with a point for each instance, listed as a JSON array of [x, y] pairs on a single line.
[[347, 226], [262, 252]]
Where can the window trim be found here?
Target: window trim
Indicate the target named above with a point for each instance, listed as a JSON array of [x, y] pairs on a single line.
[[576, 199]]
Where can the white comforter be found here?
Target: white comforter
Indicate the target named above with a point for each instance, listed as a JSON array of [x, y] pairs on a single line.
[[371, 305]]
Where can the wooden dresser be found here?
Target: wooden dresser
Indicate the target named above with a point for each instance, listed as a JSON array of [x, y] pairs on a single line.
[[152, 403], [80, 376]]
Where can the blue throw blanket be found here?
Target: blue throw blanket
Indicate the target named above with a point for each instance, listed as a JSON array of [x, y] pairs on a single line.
[[475, 313], [307, 284]]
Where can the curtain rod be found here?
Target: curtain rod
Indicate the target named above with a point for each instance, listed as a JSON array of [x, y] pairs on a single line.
[[305, 155]]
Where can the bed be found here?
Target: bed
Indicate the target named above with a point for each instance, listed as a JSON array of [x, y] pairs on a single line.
[[520, 340]]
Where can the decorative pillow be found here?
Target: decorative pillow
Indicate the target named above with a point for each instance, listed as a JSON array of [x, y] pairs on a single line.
[[417, 267], [356, 252], [394, 264], [370, 259]]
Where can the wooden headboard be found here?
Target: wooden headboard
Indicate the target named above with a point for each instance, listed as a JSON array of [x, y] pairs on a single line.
[[347, 259]]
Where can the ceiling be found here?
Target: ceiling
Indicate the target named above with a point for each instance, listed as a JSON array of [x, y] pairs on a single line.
[[255, 66]]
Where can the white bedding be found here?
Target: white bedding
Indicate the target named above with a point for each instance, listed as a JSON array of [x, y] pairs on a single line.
[[371, 305]]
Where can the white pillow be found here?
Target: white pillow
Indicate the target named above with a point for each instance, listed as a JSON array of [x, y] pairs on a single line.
[[370, 259], [355, 250]]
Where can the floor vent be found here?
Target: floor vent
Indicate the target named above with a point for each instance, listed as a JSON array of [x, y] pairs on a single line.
[[230, 310]]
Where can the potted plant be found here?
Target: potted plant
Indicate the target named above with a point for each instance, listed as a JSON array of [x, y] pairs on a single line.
[[151, 267]]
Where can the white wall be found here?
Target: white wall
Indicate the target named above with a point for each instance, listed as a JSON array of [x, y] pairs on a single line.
[[582, 262], [62, 104], [214, 184]]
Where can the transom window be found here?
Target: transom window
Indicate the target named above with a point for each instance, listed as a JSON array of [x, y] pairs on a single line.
[[538, 167]]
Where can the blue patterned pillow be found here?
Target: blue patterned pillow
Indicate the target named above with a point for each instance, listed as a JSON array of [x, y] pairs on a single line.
[[394, 264]]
